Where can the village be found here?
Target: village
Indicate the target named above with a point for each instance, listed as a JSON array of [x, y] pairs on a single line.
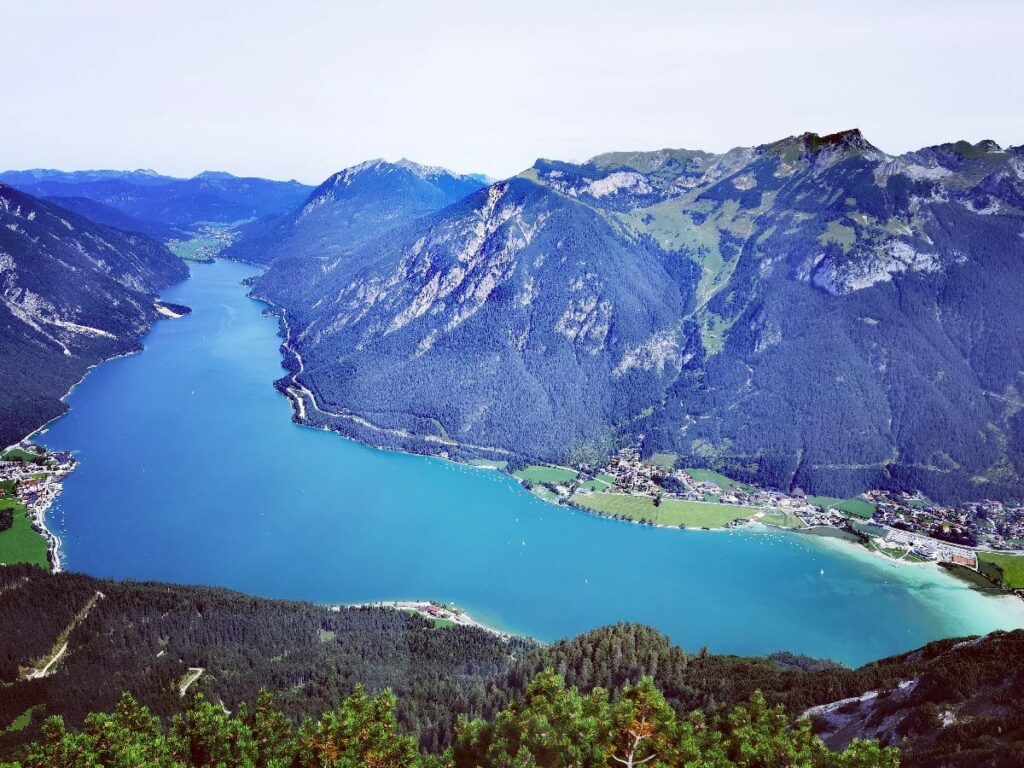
[[899, 525], [33, 478]]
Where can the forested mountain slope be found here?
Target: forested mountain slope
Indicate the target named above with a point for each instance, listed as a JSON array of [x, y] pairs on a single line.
[[105, 214], [810, 313], [72, 293], [351, 207], [181, 203], [952, 703]]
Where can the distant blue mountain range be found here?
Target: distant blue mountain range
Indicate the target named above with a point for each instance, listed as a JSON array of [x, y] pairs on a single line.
[[809, 313], [151, 198]]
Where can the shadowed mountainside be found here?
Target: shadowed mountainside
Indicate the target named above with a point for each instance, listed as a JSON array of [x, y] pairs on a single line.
[[72, 293], [809, 313]]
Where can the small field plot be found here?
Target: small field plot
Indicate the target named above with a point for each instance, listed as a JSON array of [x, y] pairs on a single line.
[[856, 507], [672, 512], [783, 518], [1007, 569], [20, 543], [542, 474], [723, 482], [664, 460]]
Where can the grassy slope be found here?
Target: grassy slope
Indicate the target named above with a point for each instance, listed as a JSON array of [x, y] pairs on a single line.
[[20, 543], [539, 474], [723, 482], [857, 507], [671, 512], [21, 722], [1011, 566], [664, 460], [782, 518]]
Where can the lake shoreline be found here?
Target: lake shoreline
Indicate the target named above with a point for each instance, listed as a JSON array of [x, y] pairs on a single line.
[[53, 541], [297, 397], [38, 518], [438, 612], [357, 524], [296, 393]]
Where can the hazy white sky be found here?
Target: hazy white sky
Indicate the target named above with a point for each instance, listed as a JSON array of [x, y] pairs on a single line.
[[301, 89]]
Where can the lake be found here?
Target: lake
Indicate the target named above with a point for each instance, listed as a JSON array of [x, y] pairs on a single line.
[[191, 470]]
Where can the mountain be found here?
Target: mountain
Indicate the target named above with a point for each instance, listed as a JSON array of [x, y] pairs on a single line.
[[112, 217], [180, 203], [951, 703], [353, 206], [72, 293], [811, 313]]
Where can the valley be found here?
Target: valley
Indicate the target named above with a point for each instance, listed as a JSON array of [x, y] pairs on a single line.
[[686, 302], [245, 498], [511, 385], [95, 638]]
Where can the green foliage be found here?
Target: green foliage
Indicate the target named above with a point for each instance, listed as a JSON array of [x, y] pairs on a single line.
[[545, 474], [557, 726], [554, 726], [141, 638], [1008, 570], [19, 541], [362, 731]]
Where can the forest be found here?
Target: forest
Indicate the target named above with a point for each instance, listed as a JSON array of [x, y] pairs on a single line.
[[453, 688], [553, 726]]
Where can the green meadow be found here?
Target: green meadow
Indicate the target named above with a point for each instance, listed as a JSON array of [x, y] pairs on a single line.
[[672, 512]]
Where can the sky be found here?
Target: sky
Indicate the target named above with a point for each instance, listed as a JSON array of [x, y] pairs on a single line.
[[301, 89]]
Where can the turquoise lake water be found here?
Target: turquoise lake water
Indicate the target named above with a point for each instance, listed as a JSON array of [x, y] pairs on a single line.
[[191, 470]]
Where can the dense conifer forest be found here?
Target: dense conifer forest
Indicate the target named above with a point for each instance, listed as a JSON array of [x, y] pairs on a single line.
[[474, 693]]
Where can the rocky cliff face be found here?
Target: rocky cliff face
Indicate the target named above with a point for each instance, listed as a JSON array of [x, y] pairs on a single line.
[[811, 312], [72, 293]]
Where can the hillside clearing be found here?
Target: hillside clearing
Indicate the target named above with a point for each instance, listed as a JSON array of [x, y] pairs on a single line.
[[854, 506], [21, 543]]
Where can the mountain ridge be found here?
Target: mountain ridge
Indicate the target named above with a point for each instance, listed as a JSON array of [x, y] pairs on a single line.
[[804, 265], [211, 196], [351, 206]]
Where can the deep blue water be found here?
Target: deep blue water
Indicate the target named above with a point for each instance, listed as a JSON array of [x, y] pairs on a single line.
[[192, 471]]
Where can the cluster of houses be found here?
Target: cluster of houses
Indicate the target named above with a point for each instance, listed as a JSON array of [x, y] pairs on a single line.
[[631, 475], [34, 477], [814, 516], [903, 522], [634, 476], [211, 240], [991, 524], [925, 547]]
